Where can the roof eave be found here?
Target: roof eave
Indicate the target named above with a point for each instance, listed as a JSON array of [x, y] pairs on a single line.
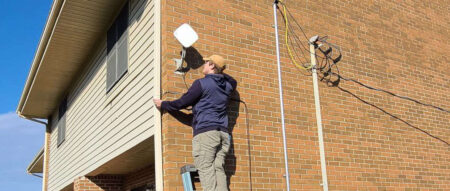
[[36, 165], [50, 24], [73, 31]]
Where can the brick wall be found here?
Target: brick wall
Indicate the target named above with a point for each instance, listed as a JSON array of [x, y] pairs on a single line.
[[98, 183], [373, 141], [139, 178]]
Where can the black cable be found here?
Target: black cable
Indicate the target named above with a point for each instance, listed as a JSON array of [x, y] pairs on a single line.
[[327, 72], [296, 54], [176, 93], [301, 29], [294, 34], [388, 92], [184, 80], [306, 38], [346, 79], [287, 10], [387, 113], [169, 92], [289, 26]]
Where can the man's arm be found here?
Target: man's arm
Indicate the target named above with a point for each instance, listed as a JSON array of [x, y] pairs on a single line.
[[189, 98]]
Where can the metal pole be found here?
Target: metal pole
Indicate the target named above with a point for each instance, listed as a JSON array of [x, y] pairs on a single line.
[[312, 50], [281, 96]]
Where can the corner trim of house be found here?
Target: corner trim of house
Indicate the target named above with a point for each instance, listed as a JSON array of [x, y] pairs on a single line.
[[157, 94]]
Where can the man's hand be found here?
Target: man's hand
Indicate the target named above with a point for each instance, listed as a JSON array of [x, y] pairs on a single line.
[[157, 102]]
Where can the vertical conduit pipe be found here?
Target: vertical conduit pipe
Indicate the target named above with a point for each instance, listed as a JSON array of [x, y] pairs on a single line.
[[323, 166], [281, 95]]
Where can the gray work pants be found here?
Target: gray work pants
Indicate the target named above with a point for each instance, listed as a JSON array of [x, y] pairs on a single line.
[[209, 150]]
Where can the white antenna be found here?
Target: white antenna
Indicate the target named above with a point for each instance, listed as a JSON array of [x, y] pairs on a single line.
[[186, 35]]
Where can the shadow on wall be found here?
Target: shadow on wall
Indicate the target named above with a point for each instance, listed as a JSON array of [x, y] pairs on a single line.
[[233, 114], [330, 64], [335, 82], [393, 116], [193, 58]]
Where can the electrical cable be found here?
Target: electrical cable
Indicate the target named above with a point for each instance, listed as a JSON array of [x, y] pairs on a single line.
[[295, 52], [296, 37], [298, 43], [288, 37], [296, 40], [329, 65], [287, 42], [390, 93], [184, 80], [330, 73], [327, 69], [286, 9], [298, 25], [291, 39], [169, 92]]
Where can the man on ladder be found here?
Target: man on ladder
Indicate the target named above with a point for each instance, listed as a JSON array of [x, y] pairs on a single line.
[[209, 97]]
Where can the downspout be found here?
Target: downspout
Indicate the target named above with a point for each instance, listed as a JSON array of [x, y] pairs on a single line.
[[46, 150]]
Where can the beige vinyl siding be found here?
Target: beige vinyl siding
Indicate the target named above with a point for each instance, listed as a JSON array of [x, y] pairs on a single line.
[[100, 125]]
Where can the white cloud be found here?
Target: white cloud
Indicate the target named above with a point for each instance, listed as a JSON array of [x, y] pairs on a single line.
[[20, 140], [12, 122]]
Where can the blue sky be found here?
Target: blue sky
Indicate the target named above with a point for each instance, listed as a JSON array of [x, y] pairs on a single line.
[[21, 26]]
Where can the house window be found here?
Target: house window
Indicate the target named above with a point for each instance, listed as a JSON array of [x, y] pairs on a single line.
[[62, 121], [117, 49]]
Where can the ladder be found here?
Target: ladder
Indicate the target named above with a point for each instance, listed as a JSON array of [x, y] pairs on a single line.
[[189, 174]]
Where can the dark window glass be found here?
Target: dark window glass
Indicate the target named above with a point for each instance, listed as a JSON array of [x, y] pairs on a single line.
[[111, 37], [62, 121], [117, 48]]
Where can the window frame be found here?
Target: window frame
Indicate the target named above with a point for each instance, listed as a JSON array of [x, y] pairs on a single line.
[[62, 113], [116, 37]]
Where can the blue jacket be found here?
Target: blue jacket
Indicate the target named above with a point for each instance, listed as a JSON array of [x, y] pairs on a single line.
[[209, 97]]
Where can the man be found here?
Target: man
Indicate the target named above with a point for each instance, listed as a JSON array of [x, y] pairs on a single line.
[[209, 98]]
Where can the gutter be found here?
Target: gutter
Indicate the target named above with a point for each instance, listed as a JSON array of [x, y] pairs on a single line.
[[31, 119], [43, 42]]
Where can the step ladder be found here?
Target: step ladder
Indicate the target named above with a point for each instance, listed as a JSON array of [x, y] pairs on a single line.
[[189, 174]]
